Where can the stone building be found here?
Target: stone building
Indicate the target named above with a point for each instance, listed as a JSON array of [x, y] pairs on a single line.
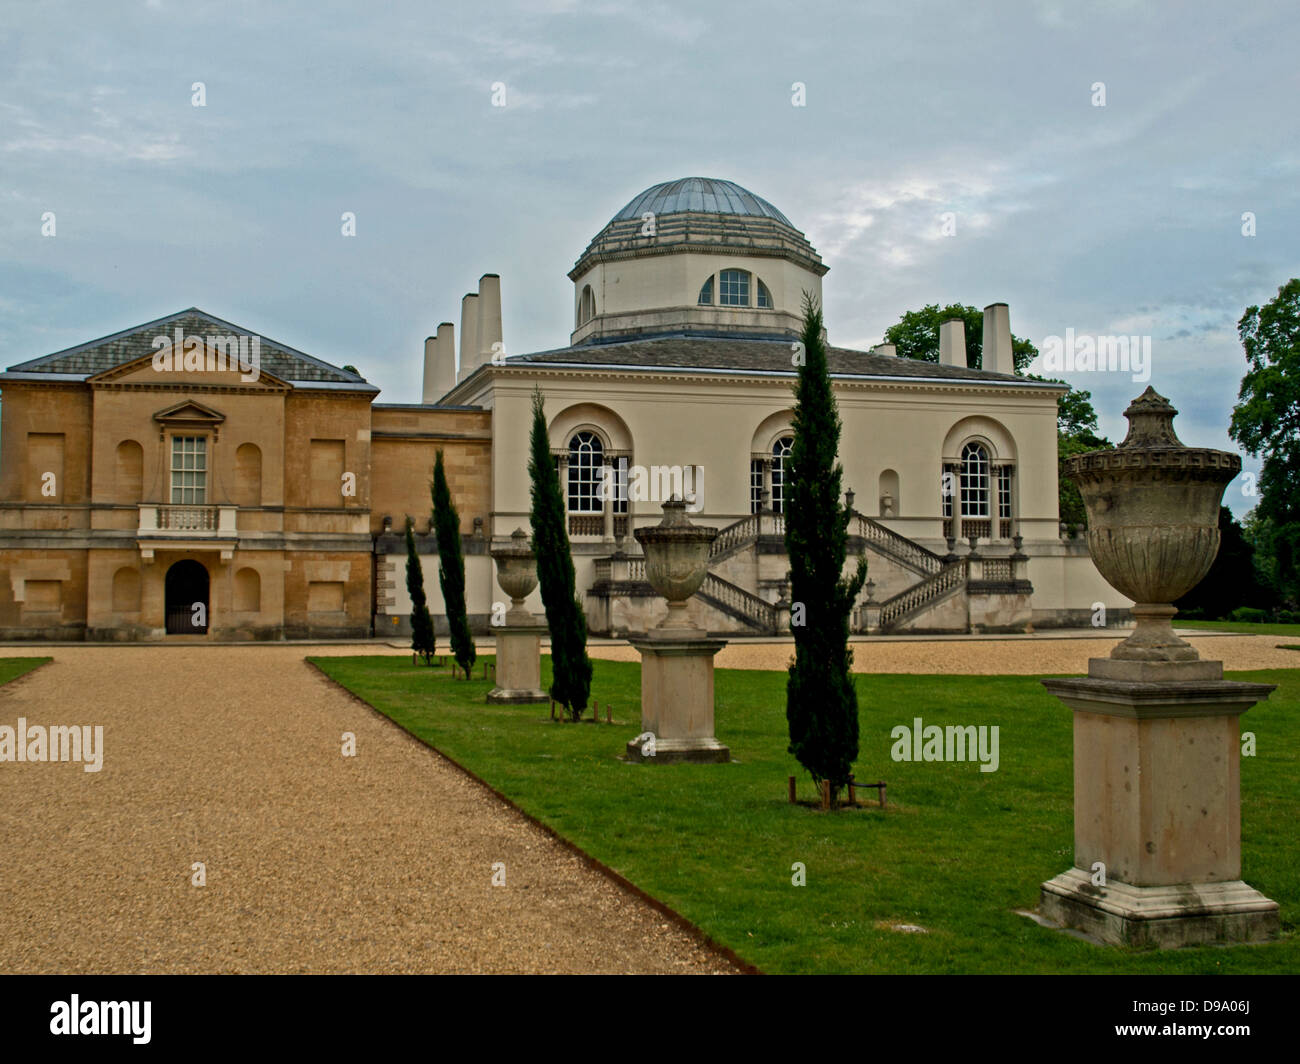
[[271, 489]]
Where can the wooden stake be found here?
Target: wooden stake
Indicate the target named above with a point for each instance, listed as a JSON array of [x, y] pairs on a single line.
[[609, 713], [853, 794], [882, 796], [826, 794], [792, 790]]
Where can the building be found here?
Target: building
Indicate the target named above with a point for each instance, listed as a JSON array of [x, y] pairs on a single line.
[[189, 479]]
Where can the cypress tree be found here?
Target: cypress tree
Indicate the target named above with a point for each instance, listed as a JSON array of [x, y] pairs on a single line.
[[451, 567], [423, 641], [821, 701], [570, 666]]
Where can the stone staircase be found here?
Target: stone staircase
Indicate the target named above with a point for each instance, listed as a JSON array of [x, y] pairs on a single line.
[[938, 580]]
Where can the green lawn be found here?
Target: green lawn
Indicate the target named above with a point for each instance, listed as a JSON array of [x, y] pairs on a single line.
[[956, 851], [12, 668], [1244, 627]]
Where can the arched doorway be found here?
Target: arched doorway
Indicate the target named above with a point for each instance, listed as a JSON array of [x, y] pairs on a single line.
[[187, 588]]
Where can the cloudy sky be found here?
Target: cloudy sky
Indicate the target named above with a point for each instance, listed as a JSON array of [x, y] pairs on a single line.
[[1125, 218]]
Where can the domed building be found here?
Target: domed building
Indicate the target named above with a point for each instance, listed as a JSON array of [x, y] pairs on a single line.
[[696, 255], [199, 497], [678, 377]]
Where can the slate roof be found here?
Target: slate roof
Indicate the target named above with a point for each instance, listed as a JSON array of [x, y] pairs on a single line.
[[744, 355], [280, 360]]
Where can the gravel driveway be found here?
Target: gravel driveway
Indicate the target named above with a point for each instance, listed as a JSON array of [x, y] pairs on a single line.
[[231, 756]]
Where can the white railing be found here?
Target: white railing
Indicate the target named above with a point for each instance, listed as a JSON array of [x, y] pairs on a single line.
[[156, 519]]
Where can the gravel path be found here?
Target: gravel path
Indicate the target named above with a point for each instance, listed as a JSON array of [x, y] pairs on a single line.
[[1040, 655], [315, 862]]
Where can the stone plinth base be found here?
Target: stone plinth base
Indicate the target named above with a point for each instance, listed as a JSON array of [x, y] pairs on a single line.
[[519, 665], [677, 697], [669, 751], [1157, 807], [1184, 914]]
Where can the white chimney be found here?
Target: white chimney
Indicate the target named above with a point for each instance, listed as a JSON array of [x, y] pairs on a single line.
[[489, 316], [440, 375], [427, 394], [998, 356], [468, 335], [952, 343], [889, 350]]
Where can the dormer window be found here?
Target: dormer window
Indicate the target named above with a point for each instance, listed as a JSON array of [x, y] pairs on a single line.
[[733, 288], [706, 293]]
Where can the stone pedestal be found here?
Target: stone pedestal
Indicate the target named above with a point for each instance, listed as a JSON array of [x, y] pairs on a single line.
[[1157, 759], [677, 698], [519, 671]]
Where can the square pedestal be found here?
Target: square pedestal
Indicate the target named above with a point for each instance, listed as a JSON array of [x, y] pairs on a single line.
[[677, 699], [1157, 802], [519, 665], [1189, 914]]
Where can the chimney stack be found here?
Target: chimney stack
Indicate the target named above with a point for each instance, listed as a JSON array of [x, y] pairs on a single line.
[[468, 336], [489, 316], [998, 356], [889, 350], [952, 343], [439, 363], [430, 370]]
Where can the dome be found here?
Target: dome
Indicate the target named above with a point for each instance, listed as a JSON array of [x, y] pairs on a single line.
[[703, 195]]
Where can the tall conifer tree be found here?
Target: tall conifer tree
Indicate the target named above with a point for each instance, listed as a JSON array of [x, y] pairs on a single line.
[[570, 666], [451, 567], [821, 701], [423, 641]]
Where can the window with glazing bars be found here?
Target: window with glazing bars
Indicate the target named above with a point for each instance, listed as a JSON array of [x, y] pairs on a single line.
[[974, 481], [189, 470], [586, 456]]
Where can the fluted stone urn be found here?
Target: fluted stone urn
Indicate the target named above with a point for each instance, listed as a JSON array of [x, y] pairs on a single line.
[[517, 574], [676, 561], [1153, 521], [519, 640], [676, 655], [1157, 744]]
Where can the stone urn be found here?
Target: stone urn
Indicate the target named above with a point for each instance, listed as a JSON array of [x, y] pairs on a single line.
[[1153, 521], [517, 574], [676, 656], [676, 561], [519, 639]]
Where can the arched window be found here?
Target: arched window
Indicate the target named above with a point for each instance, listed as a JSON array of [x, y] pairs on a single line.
[[586, 459], [974, 481], [733, 288], [706, 293], [586, 305], [780, 454], [764, 296]]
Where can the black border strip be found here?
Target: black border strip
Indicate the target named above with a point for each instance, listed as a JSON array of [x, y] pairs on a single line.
[[677, 918]]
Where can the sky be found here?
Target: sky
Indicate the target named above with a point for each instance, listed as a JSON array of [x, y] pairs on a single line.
[[1097, 166]]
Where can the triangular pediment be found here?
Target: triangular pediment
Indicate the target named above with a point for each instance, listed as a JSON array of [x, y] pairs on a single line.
[[189, 412]]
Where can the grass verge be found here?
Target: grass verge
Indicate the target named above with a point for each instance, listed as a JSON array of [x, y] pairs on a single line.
[[956, 852]]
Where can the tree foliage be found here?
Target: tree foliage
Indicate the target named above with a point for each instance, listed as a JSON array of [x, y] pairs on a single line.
[[451, 567], [570, 666], [423, 640], [1266, 421], [821, 701]]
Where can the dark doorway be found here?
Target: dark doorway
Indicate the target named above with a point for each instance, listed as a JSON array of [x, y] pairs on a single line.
[[187, 588]]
